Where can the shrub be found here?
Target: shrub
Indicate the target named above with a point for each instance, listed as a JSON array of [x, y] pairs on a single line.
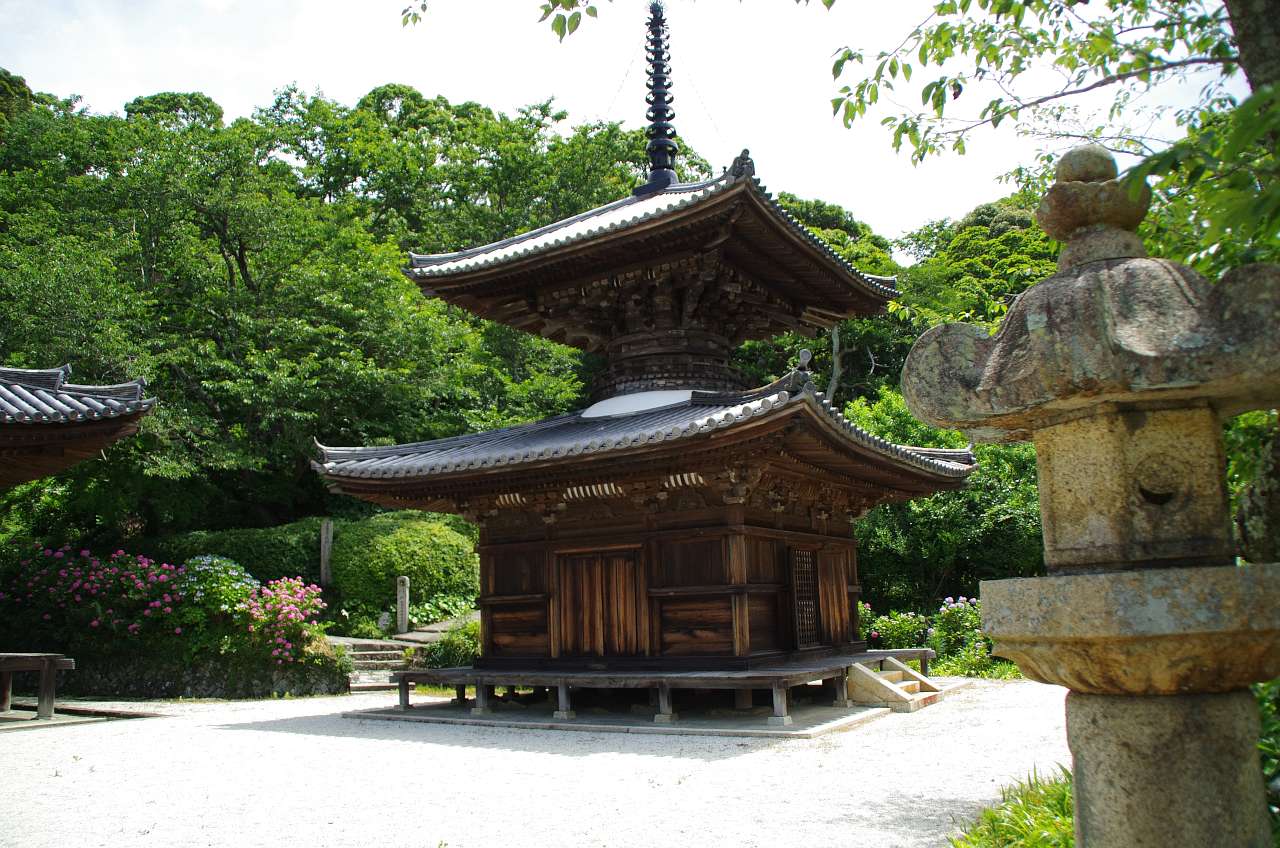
[[899, 630], [72, 599], [1268, 695], [440, 608], [268, 553], [1035, 813], [955, 623], [368, 556], [138, 627], [460, 645], [974, 660], [864, 621], [281, 618]]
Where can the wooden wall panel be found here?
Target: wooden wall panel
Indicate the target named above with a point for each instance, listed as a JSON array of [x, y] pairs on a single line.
[[621, 607], [520, 571], [689, 562], [763, 615], [519, 630], [696, 626], [833, 596], [598, 605], [766, 561]]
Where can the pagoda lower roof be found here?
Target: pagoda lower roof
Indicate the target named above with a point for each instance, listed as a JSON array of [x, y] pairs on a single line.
[[581, 437], [732, 214], [43, 396]]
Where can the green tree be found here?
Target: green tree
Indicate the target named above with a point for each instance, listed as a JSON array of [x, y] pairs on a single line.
[[251, 272]]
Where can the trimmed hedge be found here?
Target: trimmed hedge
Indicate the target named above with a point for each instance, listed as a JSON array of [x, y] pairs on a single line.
[[368, 555], [268, 553]]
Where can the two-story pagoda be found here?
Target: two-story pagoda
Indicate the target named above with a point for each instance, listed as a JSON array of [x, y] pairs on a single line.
[[684, 520]]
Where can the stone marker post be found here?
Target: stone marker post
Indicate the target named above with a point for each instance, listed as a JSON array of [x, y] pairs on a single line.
[[402, 604], [1121, 369]]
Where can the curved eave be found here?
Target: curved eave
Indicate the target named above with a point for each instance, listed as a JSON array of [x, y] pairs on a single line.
[[43, 396], [930, 468], [455, 272]]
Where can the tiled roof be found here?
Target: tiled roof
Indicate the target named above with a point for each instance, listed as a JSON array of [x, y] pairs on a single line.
[[621, 215], [44, 396], [575, 435]]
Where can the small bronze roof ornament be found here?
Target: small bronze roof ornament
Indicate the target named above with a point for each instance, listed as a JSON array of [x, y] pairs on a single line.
[[662, 147]]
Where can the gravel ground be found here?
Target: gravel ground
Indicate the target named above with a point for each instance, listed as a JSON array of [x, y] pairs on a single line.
[[286, 773]]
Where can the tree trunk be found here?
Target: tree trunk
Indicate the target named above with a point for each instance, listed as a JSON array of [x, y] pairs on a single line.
[[1257, 32], [1258, 513], [837, 366]]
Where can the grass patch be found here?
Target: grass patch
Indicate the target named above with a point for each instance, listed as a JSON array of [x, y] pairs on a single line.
[[1032, 814]]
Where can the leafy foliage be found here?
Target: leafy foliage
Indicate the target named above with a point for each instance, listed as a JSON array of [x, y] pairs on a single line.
[[459, 646], [899, 630], [1036, 813], [250, 272], [267, 552], [369, 555], [912, 553]]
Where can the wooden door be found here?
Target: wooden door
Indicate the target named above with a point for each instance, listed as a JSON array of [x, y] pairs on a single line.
[[598, 605]]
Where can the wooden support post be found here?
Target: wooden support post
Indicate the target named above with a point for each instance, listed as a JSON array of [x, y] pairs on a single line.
[[781, 714], [742, 699], [404, 693], [483, 703], [566, 708], [326, 548], [924, 665], [666, 713], [6, 691], [48, 682], [460, 695], [840, 690]]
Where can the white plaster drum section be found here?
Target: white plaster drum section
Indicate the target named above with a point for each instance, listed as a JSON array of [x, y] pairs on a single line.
[[638, 402]]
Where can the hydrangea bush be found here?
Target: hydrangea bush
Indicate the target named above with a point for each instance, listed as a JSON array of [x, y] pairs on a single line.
[[281, 618], [173, 619], [899, 630], [72, 597]]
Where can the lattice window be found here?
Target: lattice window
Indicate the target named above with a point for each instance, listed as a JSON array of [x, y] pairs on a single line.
[[804, 592]]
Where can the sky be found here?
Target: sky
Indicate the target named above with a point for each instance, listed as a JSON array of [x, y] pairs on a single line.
[[752, 74]]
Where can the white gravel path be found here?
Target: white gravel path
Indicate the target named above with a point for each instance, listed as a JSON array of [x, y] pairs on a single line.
[[293, 773]]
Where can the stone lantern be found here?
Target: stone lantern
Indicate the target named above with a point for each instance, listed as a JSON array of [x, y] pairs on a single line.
[[1121, 369]]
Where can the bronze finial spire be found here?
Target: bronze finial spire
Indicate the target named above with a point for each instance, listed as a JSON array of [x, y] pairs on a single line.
[[662, 148]]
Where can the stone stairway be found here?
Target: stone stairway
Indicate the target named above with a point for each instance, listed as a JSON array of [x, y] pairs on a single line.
[[374, 660], [891, 683]]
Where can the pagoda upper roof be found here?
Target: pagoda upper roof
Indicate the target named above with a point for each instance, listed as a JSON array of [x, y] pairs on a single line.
[[43, 396], [732, 214], [578, 438]]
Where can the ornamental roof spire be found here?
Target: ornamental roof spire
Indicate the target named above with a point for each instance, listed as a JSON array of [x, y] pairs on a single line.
[[662, 147]]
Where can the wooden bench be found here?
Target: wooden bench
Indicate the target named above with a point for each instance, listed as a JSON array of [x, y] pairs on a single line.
[[47, 665], [904, 654]]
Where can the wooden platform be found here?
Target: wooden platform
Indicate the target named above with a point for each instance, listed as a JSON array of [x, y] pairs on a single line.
[[778, 679]]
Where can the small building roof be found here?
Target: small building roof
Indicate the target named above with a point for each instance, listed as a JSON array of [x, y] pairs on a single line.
[[48, 424], [733, 215], [578, 437], [43, 396]]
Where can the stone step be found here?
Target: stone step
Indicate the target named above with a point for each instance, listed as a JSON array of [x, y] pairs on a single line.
[[372, 686], [909, 686], [397, 656], [891, 675], [379, 665]]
